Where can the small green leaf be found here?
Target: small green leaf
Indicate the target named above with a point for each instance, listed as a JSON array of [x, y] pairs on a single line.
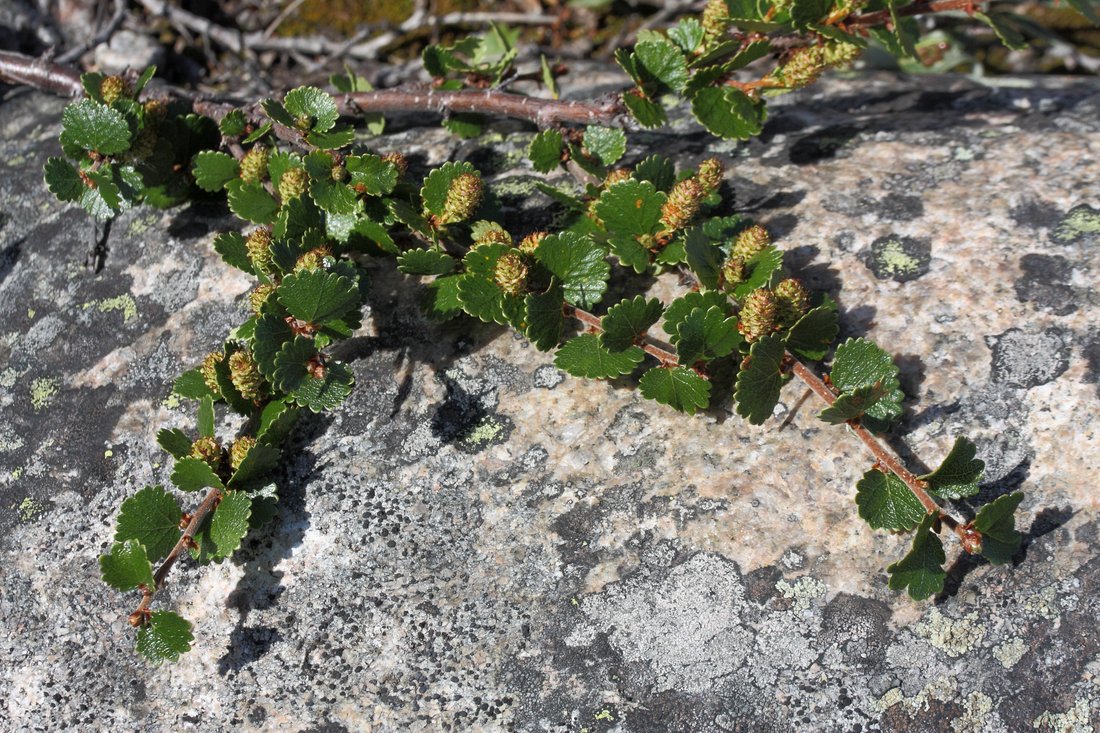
[[265, 505], [251, 201], [628, 320], [548, 79], [370, 174], [545, 150], [315, 296], [647, 112], [93, 126], [441, 297], [815, 332], [580, 265], [292, 364], [214, 169], [687, 34], [630, 252], [271, 333], [332, 196], [127, 566], [805, 12], [233, 124], [150, 517], [728, 113], [543, 317], [438, 183], [904, 30], [62, 180], [190, 384], [314, 103], [605, 143], [921, 571], [425, 262], [483, 299], [885, 502], [91, 81], [1005, 29], [762, 266], [583, 356], [339, 137], [959, 474], [175, 442], [663, 60], [206, 417], [221, 534], [276, 422], [851, 405], [258, 133], [261, 459], [464, 125], [705, 258], [192, 474], [759, 383], [165, 637], [101, 198], [678, 387], [631, 208], [997, 523], [1087, 9], [231, 246], [679, 309], [658, 170], [860, 363], [325, 393], [706, 334]]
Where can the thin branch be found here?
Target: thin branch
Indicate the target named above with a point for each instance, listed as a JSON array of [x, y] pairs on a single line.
[[103, 36], [920, 7], [15, 68]]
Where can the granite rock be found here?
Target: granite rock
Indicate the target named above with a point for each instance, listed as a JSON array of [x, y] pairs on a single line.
[[473, 542]]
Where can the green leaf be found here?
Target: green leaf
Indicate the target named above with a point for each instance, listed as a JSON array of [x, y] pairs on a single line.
[[292, 364], [251, 201], [1005, 29], [101, 199], [438, 183], [192, 474], [921, 571], [543, 317], [93, 126], [206, 417], [231, 246], [332, 196], [605, 143], [759, 383], [959, 474], [545, 150], [997, 523], [728, 113], [647, 112], [678, 387], [704, 257], [464, 125], [663, 60], [630, 252], [441, 297], [91, 81], [885, 502], [904, 30], [165, 637], [658, 170], [339, 137], [319, 394], [425, 262], [687, 34], [627, 320], [214, 169], [276, 422], [312, 102], [706, 334], [190, 384], [851, 405], [62, 180], [631, 208], [482, 299], [762, 266], [583, 356], [370, 174], [258, 133], [271, 333], [815, 332], [233, 124], [1086, 8], [221, 534], [265, 505], [150, 517], [679, 309], [127, 566], [315, 296], [261, 459], [578, 263], [175, 442], [860, 363], [805, 12]]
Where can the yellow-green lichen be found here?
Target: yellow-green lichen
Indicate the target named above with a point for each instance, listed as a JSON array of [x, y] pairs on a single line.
[[802, 592], [894, 261], [604, 715], [1074, 720], [124, 303], [43, 390], [954, 637], [29, 509], [1009, 652], [486, 431], [1081, 220]]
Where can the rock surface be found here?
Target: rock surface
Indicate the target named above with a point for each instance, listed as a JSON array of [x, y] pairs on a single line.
[[475, 542]]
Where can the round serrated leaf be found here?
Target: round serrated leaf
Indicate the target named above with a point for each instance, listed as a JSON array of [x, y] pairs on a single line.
[[192, 474], [319, 394], [959, 474], [814, 332], [214, 169], [315, 103], [885, 502], [425, 262], [543, 318], [151, 517], [545, 150], [93, 126], [664, 61], [251, 201], [583, 356], [631, 208], [648, 113], [229, 523], [62, 180], [164, 638], [706, 334], [578, 263], [332, 196], [921, 570], [315, 296], [605, 143], [728, 113], [678, 387], [759, 383], [292, 363], [370, 174], [679, 309], [627, 320], [127, 566]]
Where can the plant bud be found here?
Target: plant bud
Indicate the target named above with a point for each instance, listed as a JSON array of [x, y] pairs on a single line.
[[293, 183], [750, 242], [710, 174], [510, 273], [714, 27], [208, 450], [682, 204], [254, 164], [463, 198], [156, 110], [839, 53], [113, 88], [314, 259], [259, 296], [531, 242], [399, 161], [339, 172], [245, 375], [733, 272], [240, 448], [258, 246], [209, 370], [802, 68], [757, 315], [792, 301], [492, 233], [619, 174]]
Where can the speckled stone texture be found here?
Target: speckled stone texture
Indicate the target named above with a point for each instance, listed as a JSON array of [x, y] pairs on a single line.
[[476, 542]]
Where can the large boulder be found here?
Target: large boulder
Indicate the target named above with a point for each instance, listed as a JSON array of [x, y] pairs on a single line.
[[475, 541]]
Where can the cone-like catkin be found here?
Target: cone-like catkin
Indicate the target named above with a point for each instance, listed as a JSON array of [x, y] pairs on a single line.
[[209, 370], [750, 241], [208, 450], [682, 204], [245, 375], [259, 296], [240, 448], [803, 67], [710, 174], [258, 247], [254, 164], [713, 25], [614, 176], [757, 315], [112, 88], [531, 242], [463, 198], [314, 259], [733, 272], [293, 183], [399, 161], [510, 273], [792, 301]]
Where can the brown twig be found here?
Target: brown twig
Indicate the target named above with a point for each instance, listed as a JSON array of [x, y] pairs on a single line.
[[15, 68], [920, 7]]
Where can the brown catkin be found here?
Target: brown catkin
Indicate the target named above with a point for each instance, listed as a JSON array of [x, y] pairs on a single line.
[[254, 164], [259, 296], [293, 183], [750, 242], [245, 375], [208, 450], [463, 198], [733, 272], [682, 204], [209, 370], [531, 242], [510, 273], [710, 174], [792, 301], [240, 448], [757, 315], [399, 161], [258, 247]]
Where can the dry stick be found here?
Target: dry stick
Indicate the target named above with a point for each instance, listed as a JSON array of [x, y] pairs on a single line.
[[917, 8]]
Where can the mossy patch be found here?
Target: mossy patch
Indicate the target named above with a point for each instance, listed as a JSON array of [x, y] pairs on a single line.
[[43, 390]]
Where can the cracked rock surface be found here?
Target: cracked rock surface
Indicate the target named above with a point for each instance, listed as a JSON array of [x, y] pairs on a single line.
[[475, 541]]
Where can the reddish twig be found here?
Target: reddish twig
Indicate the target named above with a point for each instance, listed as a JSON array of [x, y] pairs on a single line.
[[920, 7]]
